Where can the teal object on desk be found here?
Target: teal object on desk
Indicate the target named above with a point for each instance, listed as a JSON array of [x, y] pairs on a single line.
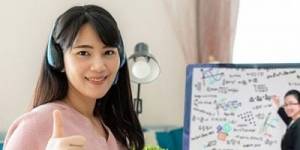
[[171, 140]]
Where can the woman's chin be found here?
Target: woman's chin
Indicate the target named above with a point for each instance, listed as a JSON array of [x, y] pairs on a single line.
[[290, 115]]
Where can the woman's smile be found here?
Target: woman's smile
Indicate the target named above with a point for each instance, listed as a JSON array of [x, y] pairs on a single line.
[[96, 80]]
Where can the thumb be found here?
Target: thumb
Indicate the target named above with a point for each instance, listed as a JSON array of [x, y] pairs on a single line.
[[58, 128]]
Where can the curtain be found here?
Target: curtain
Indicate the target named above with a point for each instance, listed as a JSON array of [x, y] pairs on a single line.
[[204, 28], [217, 21], [182, 15]]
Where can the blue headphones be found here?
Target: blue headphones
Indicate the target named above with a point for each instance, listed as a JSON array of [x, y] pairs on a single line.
[[55, 54]]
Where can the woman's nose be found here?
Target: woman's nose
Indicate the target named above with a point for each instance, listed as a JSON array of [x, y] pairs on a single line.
[[98, 64]]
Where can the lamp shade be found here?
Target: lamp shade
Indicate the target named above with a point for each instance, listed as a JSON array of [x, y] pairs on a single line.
[[143, 67]]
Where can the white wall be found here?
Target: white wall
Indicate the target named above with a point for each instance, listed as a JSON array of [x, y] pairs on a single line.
[[24, 30]]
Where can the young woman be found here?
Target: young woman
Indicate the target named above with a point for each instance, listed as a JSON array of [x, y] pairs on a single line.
[[291, 139], [84, 83]]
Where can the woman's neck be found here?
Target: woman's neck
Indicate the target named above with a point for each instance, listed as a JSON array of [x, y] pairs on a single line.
[[296, 116], [82, 104]]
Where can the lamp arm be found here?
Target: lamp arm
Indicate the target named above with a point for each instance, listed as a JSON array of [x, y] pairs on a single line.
[[138, 103], [138, 90]]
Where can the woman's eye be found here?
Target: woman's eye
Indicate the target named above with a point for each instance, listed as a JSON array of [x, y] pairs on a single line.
[[83, 53], [110, 52]]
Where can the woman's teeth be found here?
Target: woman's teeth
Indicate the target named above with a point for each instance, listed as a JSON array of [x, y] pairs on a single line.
[[96, 79]]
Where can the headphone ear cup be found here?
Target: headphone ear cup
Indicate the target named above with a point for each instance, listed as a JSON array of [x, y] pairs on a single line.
[[54, 55]]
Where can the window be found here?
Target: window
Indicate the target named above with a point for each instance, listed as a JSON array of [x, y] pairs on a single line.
[[268, 31]]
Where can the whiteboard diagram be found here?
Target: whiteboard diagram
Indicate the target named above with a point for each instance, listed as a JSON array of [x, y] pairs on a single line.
[[229, 106]]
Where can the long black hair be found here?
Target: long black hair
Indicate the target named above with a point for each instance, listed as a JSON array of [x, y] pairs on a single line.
[[115, 108]]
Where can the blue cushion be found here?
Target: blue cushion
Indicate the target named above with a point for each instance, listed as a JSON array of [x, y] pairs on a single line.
[[165, 140], [177, 138], [171, 139], [1, 146]]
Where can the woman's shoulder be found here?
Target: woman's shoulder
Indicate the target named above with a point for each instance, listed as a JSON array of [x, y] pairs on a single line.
[[297, 121], [44, 109], [40, 114], [295, 125], [35, 124]]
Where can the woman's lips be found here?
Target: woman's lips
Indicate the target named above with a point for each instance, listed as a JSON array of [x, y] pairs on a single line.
[[96, 80]]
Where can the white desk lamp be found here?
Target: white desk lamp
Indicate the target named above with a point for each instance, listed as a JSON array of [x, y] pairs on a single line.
[[143, 68]]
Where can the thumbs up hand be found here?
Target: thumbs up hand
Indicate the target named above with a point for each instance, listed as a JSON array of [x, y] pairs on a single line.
[[58, 141]]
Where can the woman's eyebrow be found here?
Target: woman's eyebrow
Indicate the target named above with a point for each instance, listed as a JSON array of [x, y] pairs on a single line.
[[109, 47], [91, 47], [83, 46]]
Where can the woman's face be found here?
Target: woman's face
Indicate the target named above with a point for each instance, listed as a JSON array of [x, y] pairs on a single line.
[[291, 106], [90, 65]]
